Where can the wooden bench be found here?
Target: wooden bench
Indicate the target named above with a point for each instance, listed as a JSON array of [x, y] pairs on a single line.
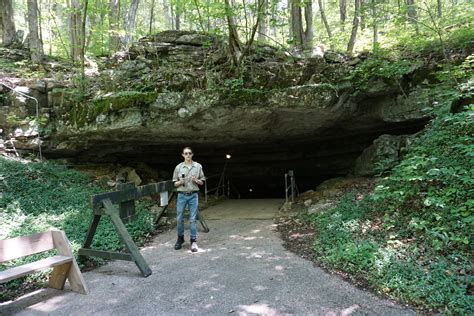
[[64, 264]]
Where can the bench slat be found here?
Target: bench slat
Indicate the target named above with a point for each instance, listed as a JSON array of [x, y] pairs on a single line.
[[29, 268], [18, 247]]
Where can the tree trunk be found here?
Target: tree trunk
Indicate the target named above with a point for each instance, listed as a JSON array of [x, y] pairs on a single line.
[[114, 24], [343, 10], [75, 29], [177, 18], [363, 5], [325, 21], [355, 27], [440, 8], [130, 23], [151, 15], [235, 46], [375, 25], [302, 37], [290, 18], [412, 14], [296, 24], [263, 25], [34, 41], [83, 46], [308, 17], [166, 13], [8, 23], [40, 30]]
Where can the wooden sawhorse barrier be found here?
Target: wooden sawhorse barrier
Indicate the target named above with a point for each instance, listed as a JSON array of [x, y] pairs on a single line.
[[125, 196], [64, 264]]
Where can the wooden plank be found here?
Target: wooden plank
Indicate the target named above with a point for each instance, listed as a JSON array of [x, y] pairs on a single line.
[[16, 272], [105, 254], [59, 275], [91, 231], [126, 238], [127, 208], [18, 247], [76, 280], [131, 194]]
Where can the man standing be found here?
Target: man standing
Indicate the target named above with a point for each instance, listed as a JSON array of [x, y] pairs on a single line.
[[187, 176]]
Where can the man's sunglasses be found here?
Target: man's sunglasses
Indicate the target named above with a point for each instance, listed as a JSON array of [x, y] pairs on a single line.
[[187, 153]]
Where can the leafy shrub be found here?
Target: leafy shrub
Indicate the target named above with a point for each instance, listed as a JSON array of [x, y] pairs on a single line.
[[43, 196], [411, 238], [380, 66]]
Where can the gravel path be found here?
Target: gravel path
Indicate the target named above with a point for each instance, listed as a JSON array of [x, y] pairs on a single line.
[[241, 269]]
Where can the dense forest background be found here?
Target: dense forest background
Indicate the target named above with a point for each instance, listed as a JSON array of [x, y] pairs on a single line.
[[73, 28]]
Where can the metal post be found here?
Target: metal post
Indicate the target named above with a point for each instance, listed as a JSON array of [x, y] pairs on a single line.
[[292, 180], [205, 191], [228, 189], [286, 187]]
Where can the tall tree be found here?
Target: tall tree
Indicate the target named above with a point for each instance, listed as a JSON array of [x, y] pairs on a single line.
[[130, 22], [237, 50], [263, 25], [303, 37], [114, 25], [167, 15], [412, 14], [296, 24], [343, 10], [235, 46], [8, 23], [151, 15], [355, 26], [375, 25], [325, 20], [75, 29], [308, 17], [83, 45], [34, 41], [440, 8], [363, 6], [177, 17]]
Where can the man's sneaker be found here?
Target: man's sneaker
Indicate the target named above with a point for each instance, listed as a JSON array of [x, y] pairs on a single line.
[[194, 247], [179, 243]]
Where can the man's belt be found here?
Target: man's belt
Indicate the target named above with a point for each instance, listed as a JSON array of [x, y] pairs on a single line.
[[188, 193]]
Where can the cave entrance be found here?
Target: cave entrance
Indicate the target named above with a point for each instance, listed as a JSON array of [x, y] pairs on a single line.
[[258, 171], [244, 176], [246, 169]]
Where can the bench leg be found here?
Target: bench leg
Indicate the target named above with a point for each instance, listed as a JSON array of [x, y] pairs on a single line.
[[59, 275], [76, 280]]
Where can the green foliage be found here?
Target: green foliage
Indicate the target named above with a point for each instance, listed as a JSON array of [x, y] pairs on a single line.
[[379, 66], [86, 112], [43, 196], [411, 239]]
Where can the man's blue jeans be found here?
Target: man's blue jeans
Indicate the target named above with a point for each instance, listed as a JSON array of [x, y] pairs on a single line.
[[192, 201]]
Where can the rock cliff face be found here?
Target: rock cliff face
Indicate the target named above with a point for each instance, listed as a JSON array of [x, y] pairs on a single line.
[[175, 88]]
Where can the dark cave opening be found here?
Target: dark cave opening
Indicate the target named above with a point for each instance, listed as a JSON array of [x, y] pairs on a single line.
[[255, 169]]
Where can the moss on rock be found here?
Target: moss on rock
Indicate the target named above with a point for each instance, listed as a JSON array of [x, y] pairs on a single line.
[[82, 114]]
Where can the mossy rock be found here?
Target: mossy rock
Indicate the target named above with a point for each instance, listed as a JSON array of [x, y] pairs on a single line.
[[85, 113]]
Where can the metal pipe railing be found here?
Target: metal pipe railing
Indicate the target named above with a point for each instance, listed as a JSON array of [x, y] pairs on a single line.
[[291, 187], [37, 115]]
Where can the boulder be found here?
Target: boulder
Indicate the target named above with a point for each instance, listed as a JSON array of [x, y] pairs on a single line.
[[385, 152]]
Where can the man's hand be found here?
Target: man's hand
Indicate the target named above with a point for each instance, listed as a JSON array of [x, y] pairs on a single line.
[[199, 182]]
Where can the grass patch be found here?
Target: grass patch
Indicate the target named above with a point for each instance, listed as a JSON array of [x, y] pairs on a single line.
[[411, 239], [38, 197]]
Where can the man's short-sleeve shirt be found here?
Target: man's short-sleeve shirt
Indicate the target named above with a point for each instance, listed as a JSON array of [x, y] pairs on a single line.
[[195, 169]]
